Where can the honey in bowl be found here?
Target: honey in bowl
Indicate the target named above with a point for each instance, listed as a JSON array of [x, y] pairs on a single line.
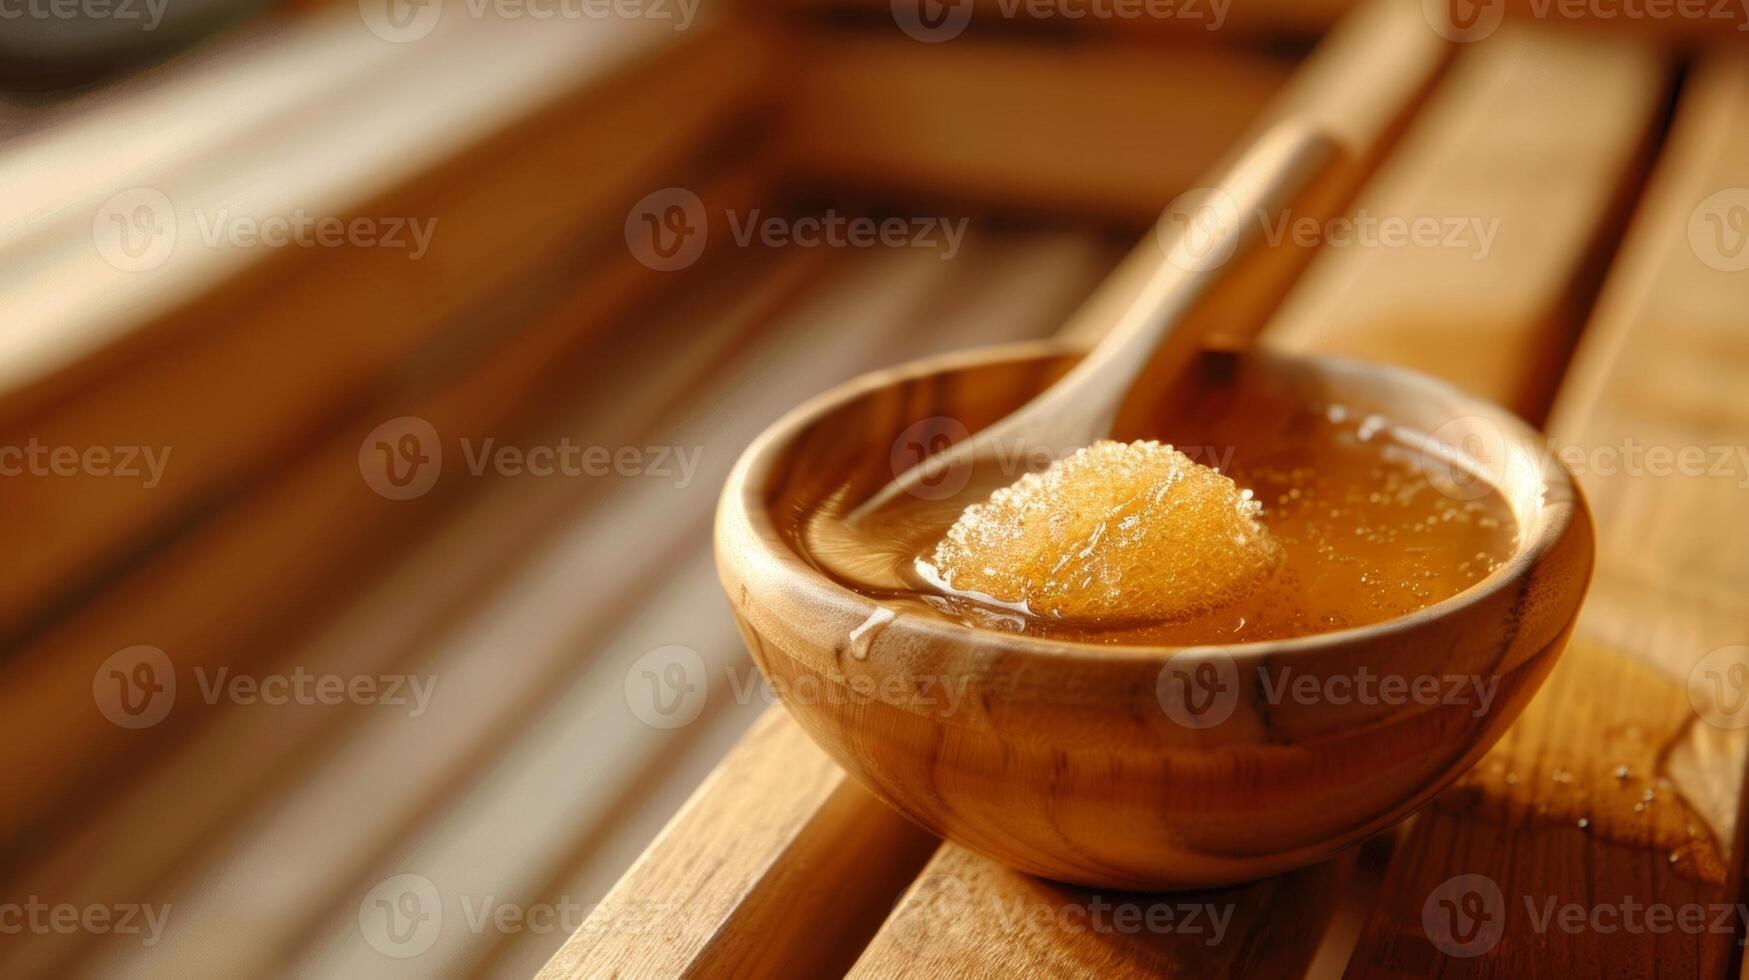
[[1319, 518]]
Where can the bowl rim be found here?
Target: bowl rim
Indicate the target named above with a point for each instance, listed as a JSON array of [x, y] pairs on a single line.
[[1563, 511]]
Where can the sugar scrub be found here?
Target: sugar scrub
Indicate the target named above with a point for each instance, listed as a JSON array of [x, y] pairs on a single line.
[[1113, 532]]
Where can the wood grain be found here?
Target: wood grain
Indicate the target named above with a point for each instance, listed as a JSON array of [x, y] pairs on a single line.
[[389, 618], [763, 837], [1106, 129], [266, 349], [1187, 22], [1361, 85], [184, 598], [1560, 812], [1510, 259], [968, 917]]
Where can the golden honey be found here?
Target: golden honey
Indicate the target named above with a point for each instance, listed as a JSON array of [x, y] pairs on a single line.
[[1352, 527]]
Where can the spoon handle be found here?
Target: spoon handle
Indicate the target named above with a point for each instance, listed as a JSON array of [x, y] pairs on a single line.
[[1198, 235]]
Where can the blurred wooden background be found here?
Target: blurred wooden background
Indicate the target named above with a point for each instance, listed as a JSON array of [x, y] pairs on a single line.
[[529, 782]]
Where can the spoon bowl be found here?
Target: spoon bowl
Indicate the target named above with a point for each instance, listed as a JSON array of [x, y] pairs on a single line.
[[1136, 766]]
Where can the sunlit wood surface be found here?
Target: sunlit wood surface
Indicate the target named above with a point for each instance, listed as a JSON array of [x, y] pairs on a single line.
[[1611, 300]]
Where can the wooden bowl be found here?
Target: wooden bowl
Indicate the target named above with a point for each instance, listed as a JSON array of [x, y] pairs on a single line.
[[1146, 767]]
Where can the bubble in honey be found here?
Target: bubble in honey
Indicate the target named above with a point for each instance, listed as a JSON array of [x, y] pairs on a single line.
[[1116, 531]]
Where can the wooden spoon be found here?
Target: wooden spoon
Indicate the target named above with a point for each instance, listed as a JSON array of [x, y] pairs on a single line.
[[1198, 234]]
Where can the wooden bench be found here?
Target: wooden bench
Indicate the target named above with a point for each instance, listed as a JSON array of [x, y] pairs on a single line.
[[1593, 285]]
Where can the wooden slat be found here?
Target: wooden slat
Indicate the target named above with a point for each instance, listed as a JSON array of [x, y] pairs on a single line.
[[1514, 256], [765, 837], [1104, 128], [313, 527], [265, 347], [119, 849], [968, 917], [1558, 811], [1187, 20], [327, 141]]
